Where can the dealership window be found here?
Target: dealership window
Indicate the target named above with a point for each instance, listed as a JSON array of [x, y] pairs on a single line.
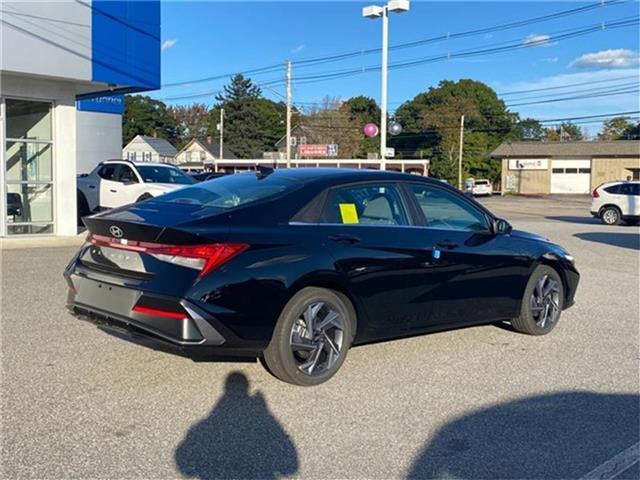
[[131, 156], [28, 167], [146, 156]]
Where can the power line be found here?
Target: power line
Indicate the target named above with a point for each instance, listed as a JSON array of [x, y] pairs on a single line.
[[579, 31], [424, 41]]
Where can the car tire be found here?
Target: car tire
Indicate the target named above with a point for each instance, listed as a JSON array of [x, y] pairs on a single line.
[[143, 197], [610, 216], [82, 207], [300, 357], [542, 302]]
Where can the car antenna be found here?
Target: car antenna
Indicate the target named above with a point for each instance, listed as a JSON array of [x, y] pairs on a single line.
[[263, 171]]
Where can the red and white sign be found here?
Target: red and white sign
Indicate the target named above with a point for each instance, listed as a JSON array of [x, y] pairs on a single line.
[[313, 150]]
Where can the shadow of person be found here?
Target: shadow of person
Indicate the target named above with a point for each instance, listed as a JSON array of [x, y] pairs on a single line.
[[239, 439], [561, 435]]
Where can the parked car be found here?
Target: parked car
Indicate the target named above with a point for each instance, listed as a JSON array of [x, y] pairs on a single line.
[[115, 183], [204, 176], [295, 266], [614, 202], [481, 187]]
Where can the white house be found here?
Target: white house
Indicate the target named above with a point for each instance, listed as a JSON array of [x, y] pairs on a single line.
[[199, 155], [149, 149]]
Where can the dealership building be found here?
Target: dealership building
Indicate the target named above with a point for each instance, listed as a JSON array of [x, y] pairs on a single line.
[[64, 67], [566, 167]]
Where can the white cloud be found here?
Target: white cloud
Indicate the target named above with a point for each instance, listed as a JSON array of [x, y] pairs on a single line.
[[536, 40], [613, 58], [551, 60], [299, 48], [168, 44], [547, 88]]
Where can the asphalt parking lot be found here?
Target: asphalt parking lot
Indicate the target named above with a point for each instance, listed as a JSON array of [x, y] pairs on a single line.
[[481, 402]]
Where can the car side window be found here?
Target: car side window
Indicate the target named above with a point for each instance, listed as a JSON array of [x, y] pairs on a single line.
[[614, 189], [365, 204], [635, 189], [126, 175], [445, 210], [108, 172]]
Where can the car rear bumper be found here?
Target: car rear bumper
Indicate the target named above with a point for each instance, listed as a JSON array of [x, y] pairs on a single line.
[[193, 332]]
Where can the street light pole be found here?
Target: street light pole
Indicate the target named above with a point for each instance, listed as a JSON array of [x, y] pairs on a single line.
[[383, 93], [288, 155], [376, 11]]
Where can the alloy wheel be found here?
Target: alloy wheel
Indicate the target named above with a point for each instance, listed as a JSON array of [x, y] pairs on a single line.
[[545, 302], [610, 216], [317, 338]]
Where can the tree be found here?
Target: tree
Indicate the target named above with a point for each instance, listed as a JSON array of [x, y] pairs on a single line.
[[566, 132], [362, 110], [617, 128], [632, 132], [239, 89], [431, 125], [252, 124], [192, 121], [145, 116], [529, 129]]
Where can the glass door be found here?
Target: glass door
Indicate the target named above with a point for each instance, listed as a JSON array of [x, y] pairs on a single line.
[[28, 167]]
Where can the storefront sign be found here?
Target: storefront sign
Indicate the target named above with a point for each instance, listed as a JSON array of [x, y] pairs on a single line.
[[318, 150], [104, 104], [529, 164]]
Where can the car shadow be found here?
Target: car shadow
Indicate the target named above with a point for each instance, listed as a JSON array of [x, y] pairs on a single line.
[[240, 438], [622, 240], [560, 435], [572, 219]]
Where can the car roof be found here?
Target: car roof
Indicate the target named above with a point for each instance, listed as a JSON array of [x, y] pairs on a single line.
[[136, 164], [614, 182]]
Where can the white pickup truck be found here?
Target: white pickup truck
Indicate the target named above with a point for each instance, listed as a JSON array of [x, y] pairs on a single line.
[[114, 183]]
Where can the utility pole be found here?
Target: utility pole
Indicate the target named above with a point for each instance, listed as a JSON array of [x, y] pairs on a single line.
[[460, 152], [221, 155], [383, 93], [288, 155]]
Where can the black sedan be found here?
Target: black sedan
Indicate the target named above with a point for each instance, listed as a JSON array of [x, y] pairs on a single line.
[[296, 266]]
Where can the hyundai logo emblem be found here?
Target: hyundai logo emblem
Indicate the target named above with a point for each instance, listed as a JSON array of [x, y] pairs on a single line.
[[115, 231]]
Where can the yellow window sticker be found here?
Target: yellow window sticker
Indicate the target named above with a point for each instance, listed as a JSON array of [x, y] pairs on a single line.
[[348, 213]]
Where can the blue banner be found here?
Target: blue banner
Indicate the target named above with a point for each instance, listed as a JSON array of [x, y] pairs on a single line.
[[103, 104]]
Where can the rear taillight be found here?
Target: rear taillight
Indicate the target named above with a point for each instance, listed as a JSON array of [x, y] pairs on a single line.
[[595, 193], [205, 258]]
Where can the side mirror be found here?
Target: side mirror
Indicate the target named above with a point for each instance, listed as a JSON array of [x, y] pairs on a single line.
[[501, 227]]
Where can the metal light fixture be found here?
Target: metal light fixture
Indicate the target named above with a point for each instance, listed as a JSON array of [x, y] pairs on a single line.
[[373, 12]]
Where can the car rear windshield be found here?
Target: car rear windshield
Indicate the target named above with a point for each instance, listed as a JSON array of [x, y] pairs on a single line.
[[482, 182], [231, 191], [162, 174]]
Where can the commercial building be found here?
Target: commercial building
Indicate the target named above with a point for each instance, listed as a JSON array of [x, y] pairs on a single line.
[[143, 148], [64, 67], [566, 167]]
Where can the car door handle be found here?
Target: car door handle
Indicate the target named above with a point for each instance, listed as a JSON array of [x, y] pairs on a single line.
[[92, 187], [447, 244], [113, 191], [343, 237]]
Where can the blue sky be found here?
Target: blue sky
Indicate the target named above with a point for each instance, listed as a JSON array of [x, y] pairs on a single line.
[[204, 39]]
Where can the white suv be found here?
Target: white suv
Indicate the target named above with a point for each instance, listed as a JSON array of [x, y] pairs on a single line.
[[481, 187], [115, 183], [617, 201]]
